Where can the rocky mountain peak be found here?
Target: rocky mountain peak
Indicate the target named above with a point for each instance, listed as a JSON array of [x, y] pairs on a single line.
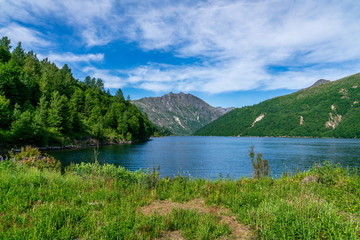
[[319, 82], [182, 113]]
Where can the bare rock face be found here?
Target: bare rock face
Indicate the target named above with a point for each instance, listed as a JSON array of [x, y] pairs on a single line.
[[319, 82], [334, 121], [301, 120], [258, 119], [181, 113]]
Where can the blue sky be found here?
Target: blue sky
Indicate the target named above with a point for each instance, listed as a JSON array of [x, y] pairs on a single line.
[[227, 52]]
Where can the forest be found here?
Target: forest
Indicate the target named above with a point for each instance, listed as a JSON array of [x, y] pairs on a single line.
[[42, 104]]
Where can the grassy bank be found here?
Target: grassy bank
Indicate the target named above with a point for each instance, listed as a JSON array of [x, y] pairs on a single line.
[[91, 201]]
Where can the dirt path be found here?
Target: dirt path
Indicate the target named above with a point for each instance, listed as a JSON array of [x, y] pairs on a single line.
[[238, 231]]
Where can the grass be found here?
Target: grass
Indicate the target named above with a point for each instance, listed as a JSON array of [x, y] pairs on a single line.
[[90, 201]]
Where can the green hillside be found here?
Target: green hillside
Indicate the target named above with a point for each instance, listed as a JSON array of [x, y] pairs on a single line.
[[41, 104], [331, 109]]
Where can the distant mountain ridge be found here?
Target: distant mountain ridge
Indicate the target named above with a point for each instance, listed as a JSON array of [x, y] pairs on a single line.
[[181, 113], [319, 82], [326, 109]]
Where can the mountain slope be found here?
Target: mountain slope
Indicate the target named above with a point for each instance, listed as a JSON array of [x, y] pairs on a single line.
[[181, 113], [331, 109]]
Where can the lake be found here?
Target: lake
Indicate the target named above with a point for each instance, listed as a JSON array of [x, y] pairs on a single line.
[[210, 156]]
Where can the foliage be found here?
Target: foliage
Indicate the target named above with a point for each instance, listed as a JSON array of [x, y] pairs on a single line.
[[94, 201], [260, 166], [162, 131], [41, 104], [283, 114], [32, 157]]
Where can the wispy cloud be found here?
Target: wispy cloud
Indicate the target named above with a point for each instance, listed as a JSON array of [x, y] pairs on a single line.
[[234, 42], [30, 38], [240, 39], [112, 80], [71, 57]]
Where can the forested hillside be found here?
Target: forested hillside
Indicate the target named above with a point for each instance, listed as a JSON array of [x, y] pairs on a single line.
[[41, 104], [331, 109]]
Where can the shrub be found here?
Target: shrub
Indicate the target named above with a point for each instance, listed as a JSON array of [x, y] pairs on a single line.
[[260, 165], [152, 179], [32, 157]]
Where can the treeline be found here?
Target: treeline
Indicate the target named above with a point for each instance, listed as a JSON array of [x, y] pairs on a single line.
[[328, 110], [41, 104]]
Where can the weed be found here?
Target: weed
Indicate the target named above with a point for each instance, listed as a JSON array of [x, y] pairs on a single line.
[[32, 157], [260, 166]]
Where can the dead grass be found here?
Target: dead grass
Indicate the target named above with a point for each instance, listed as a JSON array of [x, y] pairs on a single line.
[[238, 231]]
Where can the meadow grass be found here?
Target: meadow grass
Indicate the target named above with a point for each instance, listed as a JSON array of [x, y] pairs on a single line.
[[90, 201]]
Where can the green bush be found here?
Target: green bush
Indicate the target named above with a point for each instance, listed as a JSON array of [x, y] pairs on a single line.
[[32, 157]]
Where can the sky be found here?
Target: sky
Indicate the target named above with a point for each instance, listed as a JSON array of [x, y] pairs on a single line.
[[227, 52]]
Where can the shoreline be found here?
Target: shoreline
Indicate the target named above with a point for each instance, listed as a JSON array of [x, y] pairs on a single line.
[[72, 146]]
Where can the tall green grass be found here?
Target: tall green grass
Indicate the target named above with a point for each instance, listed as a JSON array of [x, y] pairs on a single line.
[[90, 201]]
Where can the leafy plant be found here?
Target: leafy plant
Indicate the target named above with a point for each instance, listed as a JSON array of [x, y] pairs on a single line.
[[32, 157], [260, 165], [152, 179]]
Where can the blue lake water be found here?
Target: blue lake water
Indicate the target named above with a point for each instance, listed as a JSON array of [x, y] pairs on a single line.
[[210, 156]]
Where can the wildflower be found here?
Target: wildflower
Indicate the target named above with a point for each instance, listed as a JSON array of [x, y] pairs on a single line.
[[2, 159], [13, 159], [319, 165], [20, 163]]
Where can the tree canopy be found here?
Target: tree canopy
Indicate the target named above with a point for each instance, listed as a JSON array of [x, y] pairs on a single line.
[[41, 104]]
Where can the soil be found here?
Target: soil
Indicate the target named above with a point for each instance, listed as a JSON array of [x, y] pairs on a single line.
[[238, 231]]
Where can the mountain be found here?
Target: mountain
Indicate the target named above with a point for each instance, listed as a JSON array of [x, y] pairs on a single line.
[[181, 113], [330, 109], [319, 82]]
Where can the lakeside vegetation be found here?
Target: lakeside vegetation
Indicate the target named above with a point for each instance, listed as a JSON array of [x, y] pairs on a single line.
[[90, 201], [41, 104], [331, 109]]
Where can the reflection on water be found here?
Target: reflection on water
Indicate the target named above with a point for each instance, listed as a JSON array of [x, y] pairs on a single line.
[[211, 156]]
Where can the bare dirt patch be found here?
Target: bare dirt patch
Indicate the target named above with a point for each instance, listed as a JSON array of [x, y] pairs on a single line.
[[238, 231], [172, 236], [334, 120], [258, 119]]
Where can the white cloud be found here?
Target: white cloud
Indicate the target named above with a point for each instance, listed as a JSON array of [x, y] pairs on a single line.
[[28, 37], [94, 21], [238, 40], [112, 81], [234, 41], [71, 57]]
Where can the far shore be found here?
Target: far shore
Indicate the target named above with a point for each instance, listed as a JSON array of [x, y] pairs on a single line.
[[73, 146]]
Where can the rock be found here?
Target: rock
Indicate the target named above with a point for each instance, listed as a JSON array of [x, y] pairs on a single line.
[[319, 82], [181, 113]]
